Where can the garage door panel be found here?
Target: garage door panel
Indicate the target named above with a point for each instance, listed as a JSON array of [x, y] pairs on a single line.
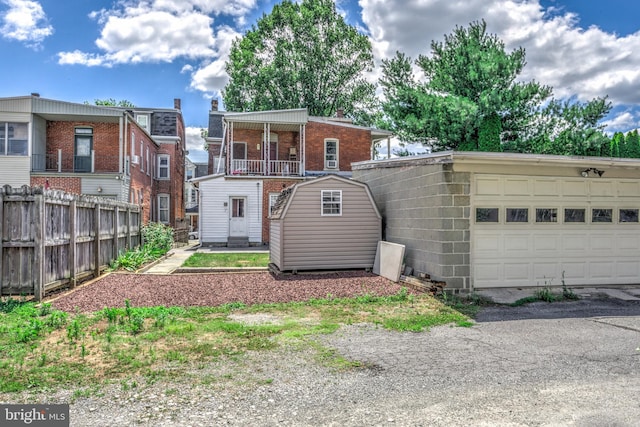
[[545, 187], [601, 242], [628, 189], [602, 269], [489, 244], [628, 270], [602, 188], [517, 243], [575, 242], [545, 242], [575, 188], [574, 270], [545, 271], [628, 242], [488, 272], [517, 271]]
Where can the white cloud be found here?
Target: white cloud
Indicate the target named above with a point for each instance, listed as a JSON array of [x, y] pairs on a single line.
[[195, 145], [212, 77], [623, 121], [157, 31], [576, 62], [25, 21]]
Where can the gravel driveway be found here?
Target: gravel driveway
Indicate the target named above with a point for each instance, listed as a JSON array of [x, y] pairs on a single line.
[[216, 289]]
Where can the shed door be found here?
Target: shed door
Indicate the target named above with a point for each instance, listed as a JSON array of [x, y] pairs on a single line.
[[238, 217], [530, 231]]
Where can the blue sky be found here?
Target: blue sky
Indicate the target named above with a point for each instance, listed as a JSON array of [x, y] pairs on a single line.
[[150, 52]]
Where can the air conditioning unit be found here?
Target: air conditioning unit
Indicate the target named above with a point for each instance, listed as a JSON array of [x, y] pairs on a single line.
[[332, 164], [135, 159]]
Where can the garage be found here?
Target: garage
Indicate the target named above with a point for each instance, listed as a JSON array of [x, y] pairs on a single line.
[[484, 220], [533, 231]]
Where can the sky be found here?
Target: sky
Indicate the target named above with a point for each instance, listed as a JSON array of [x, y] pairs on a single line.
[[149, 52]]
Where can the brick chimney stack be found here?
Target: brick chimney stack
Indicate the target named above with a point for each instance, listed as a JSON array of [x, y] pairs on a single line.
[[214, 105], [177, 103], [340, 113]]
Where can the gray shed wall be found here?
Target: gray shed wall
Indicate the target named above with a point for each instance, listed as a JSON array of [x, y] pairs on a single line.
[[427, 209], [310, 241]]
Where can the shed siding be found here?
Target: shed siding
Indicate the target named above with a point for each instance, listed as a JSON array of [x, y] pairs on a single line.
[[312, 241], [215, 194], [275, 249]]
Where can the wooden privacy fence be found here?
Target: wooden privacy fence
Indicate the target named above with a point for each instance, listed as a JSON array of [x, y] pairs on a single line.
[[51, 239]]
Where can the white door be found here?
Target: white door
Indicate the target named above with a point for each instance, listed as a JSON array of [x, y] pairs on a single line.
[[238, 217], [533, 231]]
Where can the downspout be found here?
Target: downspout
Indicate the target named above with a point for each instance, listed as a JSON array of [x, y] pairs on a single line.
[[222, 146]]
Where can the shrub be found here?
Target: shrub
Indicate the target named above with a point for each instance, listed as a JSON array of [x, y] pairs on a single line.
[[157, 237]]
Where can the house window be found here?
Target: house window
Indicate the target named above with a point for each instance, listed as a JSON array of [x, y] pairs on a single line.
[[133, 145], [546, 215], [331, 154], [273, 198], [629, 215], [83, 146], [602, 215], [517, 215], [148, 165], [331, 202], [163, 166], [14, 139], [163, 208], [143, 121], [574, 215], [141, 158], [487, 215]]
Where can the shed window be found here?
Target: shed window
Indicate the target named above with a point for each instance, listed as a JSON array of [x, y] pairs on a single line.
[[486, 214], [273, 198], [331, 202]]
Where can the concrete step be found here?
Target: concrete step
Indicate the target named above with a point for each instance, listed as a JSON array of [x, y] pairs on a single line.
[[238, 242]]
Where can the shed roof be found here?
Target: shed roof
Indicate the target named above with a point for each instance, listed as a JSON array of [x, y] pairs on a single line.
[[288, 194]]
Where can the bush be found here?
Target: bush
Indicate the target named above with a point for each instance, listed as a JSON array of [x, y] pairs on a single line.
[[157, 237]]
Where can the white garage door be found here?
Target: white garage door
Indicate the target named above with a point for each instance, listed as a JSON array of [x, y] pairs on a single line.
[[532, 231]]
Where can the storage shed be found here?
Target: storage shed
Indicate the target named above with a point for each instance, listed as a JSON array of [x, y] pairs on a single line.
[[324, 224]]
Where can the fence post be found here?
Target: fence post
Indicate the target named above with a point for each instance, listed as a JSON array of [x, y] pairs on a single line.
[[96, 246], [1, 238], [129, 247], [39, 243], [116, 226], [73, 234]]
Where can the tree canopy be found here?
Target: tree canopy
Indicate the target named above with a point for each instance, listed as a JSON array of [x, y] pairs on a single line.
[[113, 103], [471, 99], [302, 54]]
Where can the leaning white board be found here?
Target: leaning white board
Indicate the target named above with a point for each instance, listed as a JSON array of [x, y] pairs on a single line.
[[388, 262]]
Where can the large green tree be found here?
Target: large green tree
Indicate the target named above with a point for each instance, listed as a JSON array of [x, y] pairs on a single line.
[[302, 54], [471, 99]]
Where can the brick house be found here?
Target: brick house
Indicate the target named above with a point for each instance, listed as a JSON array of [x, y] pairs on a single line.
[[133, 155], [253, 156]]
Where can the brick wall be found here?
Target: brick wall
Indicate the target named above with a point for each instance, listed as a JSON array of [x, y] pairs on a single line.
[[106, 143], [271, 185], [354, 145], [64, 183]]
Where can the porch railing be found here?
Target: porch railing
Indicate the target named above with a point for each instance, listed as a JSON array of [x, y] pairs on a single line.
[[257, 167], [60, 163]]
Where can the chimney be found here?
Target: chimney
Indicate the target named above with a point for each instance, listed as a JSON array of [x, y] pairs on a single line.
[[340, 113], [176, 103], [214, 105], [35, 94]]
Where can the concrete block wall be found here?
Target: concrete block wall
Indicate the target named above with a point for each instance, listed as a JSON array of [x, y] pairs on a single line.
[[427, 209]]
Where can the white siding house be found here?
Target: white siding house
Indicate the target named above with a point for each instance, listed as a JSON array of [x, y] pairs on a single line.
[[230, 207]]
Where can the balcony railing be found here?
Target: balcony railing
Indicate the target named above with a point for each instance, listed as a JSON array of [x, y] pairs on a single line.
[[60, 163], [257, 167]]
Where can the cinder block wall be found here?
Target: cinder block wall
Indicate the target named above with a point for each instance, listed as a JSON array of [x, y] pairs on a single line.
[[426, 208]]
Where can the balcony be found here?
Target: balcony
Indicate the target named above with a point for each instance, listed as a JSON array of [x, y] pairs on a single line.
[[61, 163], [265, 168]]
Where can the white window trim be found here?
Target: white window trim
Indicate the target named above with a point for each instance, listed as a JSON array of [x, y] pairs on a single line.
[[148, 165], [322, 202], [133, 144], [160, 157], [337, 155], [167, 209]]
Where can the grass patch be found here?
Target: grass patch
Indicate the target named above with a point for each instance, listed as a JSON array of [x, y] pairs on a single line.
[[227, 260], [41, 347]]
